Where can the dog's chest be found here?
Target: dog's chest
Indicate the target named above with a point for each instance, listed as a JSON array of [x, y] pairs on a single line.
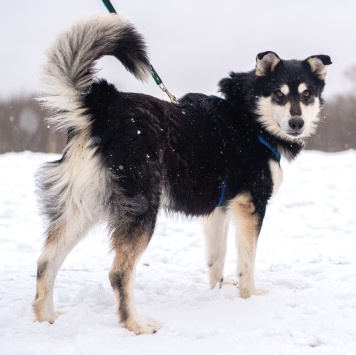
[[276, 174]]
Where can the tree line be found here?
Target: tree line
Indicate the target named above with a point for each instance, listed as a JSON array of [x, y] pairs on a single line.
[[23, 127]]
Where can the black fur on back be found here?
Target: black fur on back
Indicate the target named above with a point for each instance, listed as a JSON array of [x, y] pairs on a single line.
[[187, 151]]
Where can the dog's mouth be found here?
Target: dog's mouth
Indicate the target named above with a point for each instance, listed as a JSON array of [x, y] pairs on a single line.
[[294, 134]]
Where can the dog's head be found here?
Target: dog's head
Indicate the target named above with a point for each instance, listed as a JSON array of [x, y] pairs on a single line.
[[288, 94]]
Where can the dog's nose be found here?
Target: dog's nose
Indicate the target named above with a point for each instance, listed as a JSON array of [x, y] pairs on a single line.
[[296, 124]]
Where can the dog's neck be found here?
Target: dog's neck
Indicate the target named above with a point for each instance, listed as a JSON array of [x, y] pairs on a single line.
[[270, 147], [288, 150]]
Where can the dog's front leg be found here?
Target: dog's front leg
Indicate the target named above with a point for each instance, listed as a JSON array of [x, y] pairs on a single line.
[[248, 225], [216, 227]]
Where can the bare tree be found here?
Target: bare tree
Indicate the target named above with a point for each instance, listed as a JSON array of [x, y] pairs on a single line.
[[337, 130], [22, 127]]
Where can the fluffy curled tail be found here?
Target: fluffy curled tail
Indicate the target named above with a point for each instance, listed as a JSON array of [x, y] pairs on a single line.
[[69, 70]]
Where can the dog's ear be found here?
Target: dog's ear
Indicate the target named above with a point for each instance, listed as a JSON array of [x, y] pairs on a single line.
[[231, 87], [318, 65], [266, 62]]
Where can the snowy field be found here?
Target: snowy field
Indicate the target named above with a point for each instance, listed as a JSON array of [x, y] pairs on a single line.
[[306, 259]]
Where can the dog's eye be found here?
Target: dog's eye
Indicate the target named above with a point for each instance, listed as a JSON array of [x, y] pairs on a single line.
[[279, 94], [306, 93]]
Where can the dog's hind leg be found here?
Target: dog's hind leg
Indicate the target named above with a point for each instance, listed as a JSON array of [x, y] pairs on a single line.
[[73, 194], [248, 224], [216, 227], [130, 239], [59, 243]]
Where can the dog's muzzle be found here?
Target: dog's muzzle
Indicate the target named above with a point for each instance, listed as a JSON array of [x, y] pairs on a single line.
[[296, 126]]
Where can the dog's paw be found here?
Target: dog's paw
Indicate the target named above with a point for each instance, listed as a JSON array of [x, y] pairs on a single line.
[[148, 327], [50, 317], [246, 293], [231, 281]]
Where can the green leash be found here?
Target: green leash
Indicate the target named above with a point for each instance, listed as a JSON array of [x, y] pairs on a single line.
[[154, 74]]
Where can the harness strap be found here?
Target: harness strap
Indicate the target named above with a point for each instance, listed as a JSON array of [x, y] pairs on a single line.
[[268, 145], [222, 194]]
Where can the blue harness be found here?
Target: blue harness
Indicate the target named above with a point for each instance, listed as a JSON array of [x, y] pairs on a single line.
[[275, 153], [268, 145]]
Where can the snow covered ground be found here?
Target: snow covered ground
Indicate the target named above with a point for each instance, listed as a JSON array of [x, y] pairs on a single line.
[[306, 258]]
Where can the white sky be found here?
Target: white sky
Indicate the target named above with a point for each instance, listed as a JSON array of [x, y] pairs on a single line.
[[192, 43]]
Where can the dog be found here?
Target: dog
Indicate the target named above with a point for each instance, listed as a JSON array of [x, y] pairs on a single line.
[[130, 154]]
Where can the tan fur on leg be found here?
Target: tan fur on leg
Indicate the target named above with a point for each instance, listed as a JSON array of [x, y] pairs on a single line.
[[43, 304], [58, 246], [122, 275], [248, 226]]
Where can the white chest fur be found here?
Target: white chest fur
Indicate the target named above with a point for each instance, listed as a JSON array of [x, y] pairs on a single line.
[[277, 175]]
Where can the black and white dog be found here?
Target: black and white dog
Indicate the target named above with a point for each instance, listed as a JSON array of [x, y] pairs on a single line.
[[130, 154]]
